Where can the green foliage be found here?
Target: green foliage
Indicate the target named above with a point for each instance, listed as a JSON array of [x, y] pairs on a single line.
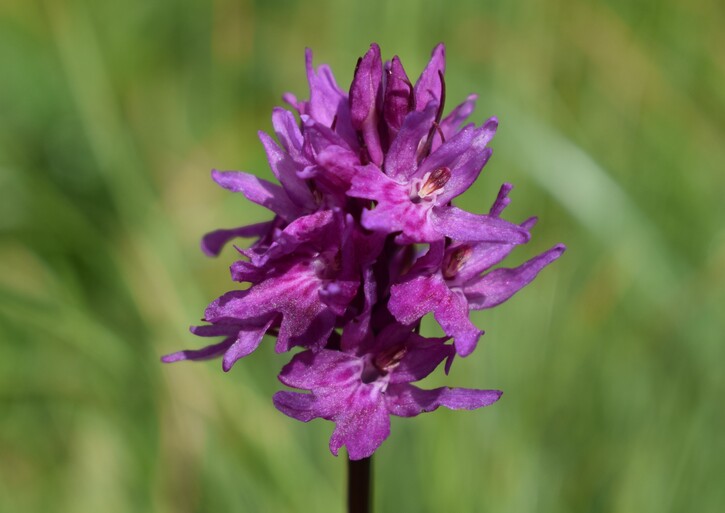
[[612, 121]]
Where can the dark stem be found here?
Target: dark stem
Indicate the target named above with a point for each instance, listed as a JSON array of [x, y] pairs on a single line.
[[359, 486]]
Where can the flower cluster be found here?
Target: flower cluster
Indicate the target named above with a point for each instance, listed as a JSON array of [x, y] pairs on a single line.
[[364, 242]]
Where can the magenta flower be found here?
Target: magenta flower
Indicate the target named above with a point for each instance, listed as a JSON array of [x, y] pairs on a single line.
[[364, 240], [359, 391], [448, 282]]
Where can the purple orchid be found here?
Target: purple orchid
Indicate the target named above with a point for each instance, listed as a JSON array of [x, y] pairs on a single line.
[[415, 200], [365, 179], [447, 281], [360, 391]]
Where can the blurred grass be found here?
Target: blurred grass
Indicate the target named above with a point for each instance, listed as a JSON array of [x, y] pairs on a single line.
[[612, 121]]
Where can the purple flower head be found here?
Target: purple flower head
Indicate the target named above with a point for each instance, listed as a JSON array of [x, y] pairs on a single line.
[[364, 240]]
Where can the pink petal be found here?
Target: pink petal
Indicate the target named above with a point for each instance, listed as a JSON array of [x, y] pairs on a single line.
[[464, 226], [296, 405], [206, 353], [399, 96], [309, 370], [421, 358], [428, 87], [364, 428], [365, 100], [213, 242], [247, 341], [257, 190], [453, 121], [412, 299], [452, 315], [405, 400], [401, 161], [500, 284]]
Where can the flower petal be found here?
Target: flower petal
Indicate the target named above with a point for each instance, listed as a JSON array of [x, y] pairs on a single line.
[[213, 242], [363, 426], [371, 183], [418, 295], [205, 353], [309, 370], [502, 200], [318, 137], [357, 330], [337, 294], [500, 284], [429, 87], [247, 341], [314, 228], [452, 315], [306, 320], [431, 260], [336, 169], [464, 226], [484, 255], [306, 328], [257, 190], [296, 405], [247, 332], [487, 254], [412, 299], [365, 100], [401, 161], [287, 131], [406, 400], [395, 211], [285, 161], [325, 95], [399, 96], [215, 330], [243, 271], [421, 358], [335, 160], [453, 121], [291, 100]]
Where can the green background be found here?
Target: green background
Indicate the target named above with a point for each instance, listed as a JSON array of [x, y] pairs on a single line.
[[612, 127]]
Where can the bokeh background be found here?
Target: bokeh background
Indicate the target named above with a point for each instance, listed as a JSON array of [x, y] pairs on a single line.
[[612, 127]]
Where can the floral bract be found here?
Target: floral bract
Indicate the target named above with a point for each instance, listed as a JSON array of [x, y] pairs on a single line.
[[364, 241]]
